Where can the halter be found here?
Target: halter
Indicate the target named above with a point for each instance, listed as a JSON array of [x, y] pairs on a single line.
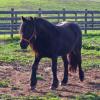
[[28, 40]]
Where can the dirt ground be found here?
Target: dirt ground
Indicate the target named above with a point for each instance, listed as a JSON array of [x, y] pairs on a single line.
[[19, 78]]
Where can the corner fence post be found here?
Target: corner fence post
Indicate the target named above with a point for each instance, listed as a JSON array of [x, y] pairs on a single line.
[[85, 21], [12, 22], [64, 14]]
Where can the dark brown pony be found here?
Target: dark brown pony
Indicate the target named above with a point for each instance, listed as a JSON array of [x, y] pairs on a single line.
[[52, 41]]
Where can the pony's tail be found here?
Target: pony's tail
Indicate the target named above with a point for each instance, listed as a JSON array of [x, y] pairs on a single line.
[[73, 62]]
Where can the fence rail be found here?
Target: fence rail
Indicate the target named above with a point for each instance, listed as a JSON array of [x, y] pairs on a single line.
[[88, 20]]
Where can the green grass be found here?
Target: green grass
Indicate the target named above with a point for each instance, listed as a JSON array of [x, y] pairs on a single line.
[[51, 96], [91, 43], [39, 77], [4, 83], [10, 51], [88, 96], [91, 51], [48, 96], [50, 4]]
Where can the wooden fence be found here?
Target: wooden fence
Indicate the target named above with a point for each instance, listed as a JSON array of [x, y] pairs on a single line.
[[88, 20]]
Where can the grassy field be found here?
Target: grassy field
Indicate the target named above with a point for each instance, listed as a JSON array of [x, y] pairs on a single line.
[[50, 4]]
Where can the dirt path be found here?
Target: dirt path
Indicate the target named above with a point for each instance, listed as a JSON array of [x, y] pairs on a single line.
[[20, 80]]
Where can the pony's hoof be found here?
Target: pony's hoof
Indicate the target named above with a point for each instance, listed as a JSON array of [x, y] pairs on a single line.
[[63, 84], [33, 88], [53, 88]]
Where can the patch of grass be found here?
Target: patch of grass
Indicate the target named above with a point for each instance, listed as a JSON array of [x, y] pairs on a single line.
[[48, 96], [90, 51], [90, 47], [5, 97], [91, 42], [4, 83], [90, 59], [88, 96], [39, 77], [10, 52]]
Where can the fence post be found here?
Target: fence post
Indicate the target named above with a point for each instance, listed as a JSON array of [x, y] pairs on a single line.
[[75, 17], [39, 14], [12, 21], [85, 21], [15, 22], [58, 17], [64, 14], [92, 20]]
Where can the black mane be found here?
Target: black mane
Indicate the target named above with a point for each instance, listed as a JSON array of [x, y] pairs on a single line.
[[41, 22]]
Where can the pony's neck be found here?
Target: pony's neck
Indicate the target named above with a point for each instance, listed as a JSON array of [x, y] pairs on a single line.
[[45, 26]]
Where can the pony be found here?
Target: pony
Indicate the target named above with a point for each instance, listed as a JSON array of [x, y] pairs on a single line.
[[49, 40]]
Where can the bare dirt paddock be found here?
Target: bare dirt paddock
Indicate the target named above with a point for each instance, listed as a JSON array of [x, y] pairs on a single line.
[[19, 81]]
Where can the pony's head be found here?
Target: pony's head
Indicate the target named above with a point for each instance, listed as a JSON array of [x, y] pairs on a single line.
[[27, 32]]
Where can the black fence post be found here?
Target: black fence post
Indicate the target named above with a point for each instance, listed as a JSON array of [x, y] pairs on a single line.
[[75, 17], [85, 21], [15, 26], [12, 22], [64, 14], [58, 17], [92, 20]]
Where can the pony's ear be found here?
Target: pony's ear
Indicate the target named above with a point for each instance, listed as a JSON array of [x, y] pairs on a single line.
[[31, 18], [23, 19]]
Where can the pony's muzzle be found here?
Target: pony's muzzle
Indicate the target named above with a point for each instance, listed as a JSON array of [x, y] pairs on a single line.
[[23, 44]]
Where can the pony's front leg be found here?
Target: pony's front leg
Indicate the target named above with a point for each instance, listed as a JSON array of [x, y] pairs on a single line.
[[65, 79], [54, 71], [34, 69]]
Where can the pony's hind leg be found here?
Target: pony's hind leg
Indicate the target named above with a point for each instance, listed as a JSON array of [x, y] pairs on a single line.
[[74, 60], [33, 75], [65, 78], [81, 73]]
